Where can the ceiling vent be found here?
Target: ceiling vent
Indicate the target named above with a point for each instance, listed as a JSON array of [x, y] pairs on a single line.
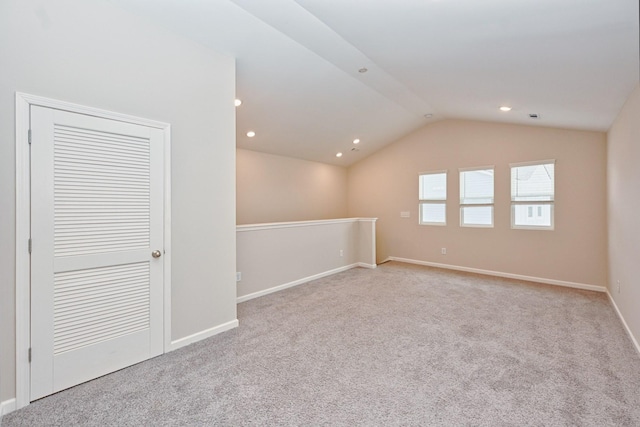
[[534, 116]]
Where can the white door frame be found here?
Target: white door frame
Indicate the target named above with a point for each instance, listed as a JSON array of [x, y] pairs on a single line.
[[23, 225]]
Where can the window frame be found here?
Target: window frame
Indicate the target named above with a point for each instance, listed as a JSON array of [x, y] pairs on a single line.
[[538, 204], [477, 205], [434, 201]]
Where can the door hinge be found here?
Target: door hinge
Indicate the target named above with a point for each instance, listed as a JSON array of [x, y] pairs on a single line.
[[29, 136], [29, 354], [30, 245]]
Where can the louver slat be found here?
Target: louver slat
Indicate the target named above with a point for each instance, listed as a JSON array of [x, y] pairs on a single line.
[[100, 179], [98, 304]]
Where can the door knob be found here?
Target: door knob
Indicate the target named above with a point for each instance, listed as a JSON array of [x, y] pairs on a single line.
[[156, 254]]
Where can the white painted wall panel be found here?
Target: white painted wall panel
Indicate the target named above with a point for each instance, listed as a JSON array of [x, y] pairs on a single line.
[[59, 50], [272, 255]]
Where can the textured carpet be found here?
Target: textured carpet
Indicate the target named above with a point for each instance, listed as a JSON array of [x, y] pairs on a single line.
[[399, 345]]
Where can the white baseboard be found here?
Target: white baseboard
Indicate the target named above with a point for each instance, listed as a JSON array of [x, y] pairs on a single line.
[[199, 336], [365, 265], [7, 406], [501, 274], [264, 292], [624, 322]]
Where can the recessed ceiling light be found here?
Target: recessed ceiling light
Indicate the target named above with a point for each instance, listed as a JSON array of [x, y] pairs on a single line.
[[363, 70], [238, 102], [339, 155], [505, 108], [356, 141], [428, 116], [251, 134]]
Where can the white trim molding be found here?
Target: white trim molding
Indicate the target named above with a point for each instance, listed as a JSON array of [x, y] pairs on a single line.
[[292, 224], [308, 250], [199, 336], [368, 257], [167, 238], [624, 322], [23, 260], [296, 283], [6, 407], [303, 280], [23, 103], [533, 163], [365, 265], [555, 282]]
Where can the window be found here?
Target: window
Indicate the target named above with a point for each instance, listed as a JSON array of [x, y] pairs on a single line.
[[532, 191], [433, 198], [476, 197]]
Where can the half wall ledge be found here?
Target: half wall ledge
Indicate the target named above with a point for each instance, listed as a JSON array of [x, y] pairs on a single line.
[[276, 256]]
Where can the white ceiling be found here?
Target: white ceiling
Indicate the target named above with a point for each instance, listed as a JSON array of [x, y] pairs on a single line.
[[573, 62]]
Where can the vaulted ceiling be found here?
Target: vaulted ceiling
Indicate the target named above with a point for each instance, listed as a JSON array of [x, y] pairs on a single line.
[[313, 75]]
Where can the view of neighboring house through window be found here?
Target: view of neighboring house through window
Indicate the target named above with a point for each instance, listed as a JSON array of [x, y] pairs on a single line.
[[476, 197], [433, 198], [532, 194]]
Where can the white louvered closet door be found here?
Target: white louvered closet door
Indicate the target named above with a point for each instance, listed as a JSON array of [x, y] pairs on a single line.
[[97, 216]]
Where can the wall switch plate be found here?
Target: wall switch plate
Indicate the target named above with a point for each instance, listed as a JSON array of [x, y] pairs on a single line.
[[238, 276], [443, 251], [405, 214], [341, 252]]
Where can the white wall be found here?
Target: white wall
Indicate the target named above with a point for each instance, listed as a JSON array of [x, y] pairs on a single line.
[[623, 181], [279, 255], [91, 53]]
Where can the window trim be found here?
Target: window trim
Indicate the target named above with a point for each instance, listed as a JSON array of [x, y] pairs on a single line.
[[533, 227], [532, 163], [422, 202], [550, 203], [493, 209], [471, 205]]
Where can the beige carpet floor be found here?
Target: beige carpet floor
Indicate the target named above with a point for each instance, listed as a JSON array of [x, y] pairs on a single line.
[[398, 345]]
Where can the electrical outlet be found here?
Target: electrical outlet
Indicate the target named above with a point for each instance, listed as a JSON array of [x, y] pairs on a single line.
[[443, 251], [618, 285], [238, 276], [341, 252]]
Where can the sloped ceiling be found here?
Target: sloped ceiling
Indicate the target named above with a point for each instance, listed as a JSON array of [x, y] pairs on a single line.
[[571, 62]]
